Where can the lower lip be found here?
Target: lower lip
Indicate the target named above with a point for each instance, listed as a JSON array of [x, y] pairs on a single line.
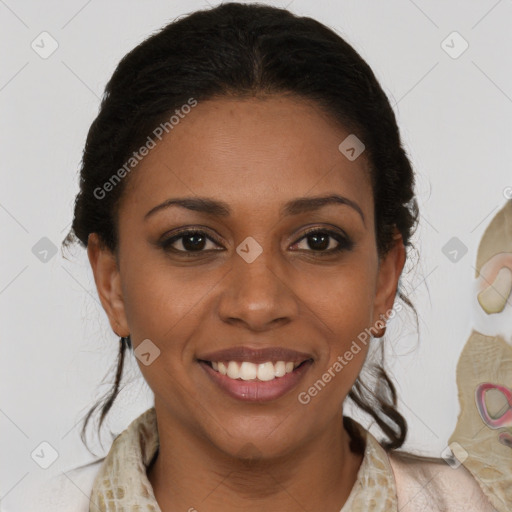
[[256, 390]]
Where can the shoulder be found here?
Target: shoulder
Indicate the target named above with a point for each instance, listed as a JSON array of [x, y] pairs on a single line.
[[68, 490], [425, 483]]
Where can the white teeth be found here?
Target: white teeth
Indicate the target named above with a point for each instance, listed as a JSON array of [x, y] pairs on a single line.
[[266, 371], [222, 368], [280, 367], [250, 371], [233, 370]]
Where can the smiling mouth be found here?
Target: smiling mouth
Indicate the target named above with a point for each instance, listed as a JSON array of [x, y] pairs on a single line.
[[247, 371], [260, 382]]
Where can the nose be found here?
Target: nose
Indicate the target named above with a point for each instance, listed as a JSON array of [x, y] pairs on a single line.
[[257, 295]]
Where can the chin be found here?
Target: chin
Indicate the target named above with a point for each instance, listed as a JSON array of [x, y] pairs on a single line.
[[252, 444]]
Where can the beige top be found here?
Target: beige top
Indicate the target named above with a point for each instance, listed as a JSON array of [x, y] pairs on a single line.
[[383, 483], [391, 483]]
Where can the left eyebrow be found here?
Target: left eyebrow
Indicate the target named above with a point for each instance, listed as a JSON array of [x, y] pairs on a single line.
[[222, 209], [307, 204]]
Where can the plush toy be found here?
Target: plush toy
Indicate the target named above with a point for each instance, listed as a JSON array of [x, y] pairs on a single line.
[[482, 439]]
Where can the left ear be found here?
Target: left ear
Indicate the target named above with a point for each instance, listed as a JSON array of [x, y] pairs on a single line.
[[390, 268]]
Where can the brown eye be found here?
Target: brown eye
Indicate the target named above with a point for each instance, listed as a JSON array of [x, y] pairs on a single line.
[[187, 242], [325, 241]]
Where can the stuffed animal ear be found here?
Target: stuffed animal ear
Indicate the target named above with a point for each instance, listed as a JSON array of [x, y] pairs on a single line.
[[495, 296], [497, 238], [494, 263]]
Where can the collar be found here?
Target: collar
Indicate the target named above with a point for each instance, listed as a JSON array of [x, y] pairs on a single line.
[[122, 483]]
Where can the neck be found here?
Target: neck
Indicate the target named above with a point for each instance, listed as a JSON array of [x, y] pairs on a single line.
[[189, 473]]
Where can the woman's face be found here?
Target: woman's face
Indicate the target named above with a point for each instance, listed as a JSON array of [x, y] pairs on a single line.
[[252, 278]]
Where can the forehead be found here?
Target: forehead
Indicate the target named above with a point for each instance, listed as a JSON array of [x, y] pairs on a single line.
[[251, 151]]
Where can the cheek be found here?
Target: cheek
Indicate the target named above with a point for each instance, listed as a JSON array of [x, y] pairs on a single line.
[[343, 297], [160, 299], [161, 306], [346, 345], [344, 303]]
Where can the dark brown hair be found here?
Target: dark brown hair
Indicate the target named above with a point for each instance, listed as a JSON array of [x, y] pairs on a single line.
[[244, 50]]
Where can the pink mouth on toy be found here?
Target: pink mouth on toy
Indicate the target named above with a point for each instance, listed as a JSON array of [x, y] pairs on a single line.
[[504, 419]]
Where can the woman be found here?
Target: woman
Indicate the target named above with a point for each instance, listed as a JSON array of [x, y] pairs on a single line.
[[246, 205]]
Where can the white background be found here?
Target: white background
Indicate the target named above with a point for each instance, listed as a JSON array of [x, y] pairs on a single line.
[[455, 119]]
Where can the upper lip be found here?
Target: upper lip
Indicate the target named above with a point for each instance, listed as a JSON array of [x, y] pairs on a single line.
[[256, 355]]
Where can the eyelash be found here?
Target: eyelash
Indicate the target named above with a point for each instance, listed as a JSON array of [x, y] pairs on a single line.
[[344, 243]]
